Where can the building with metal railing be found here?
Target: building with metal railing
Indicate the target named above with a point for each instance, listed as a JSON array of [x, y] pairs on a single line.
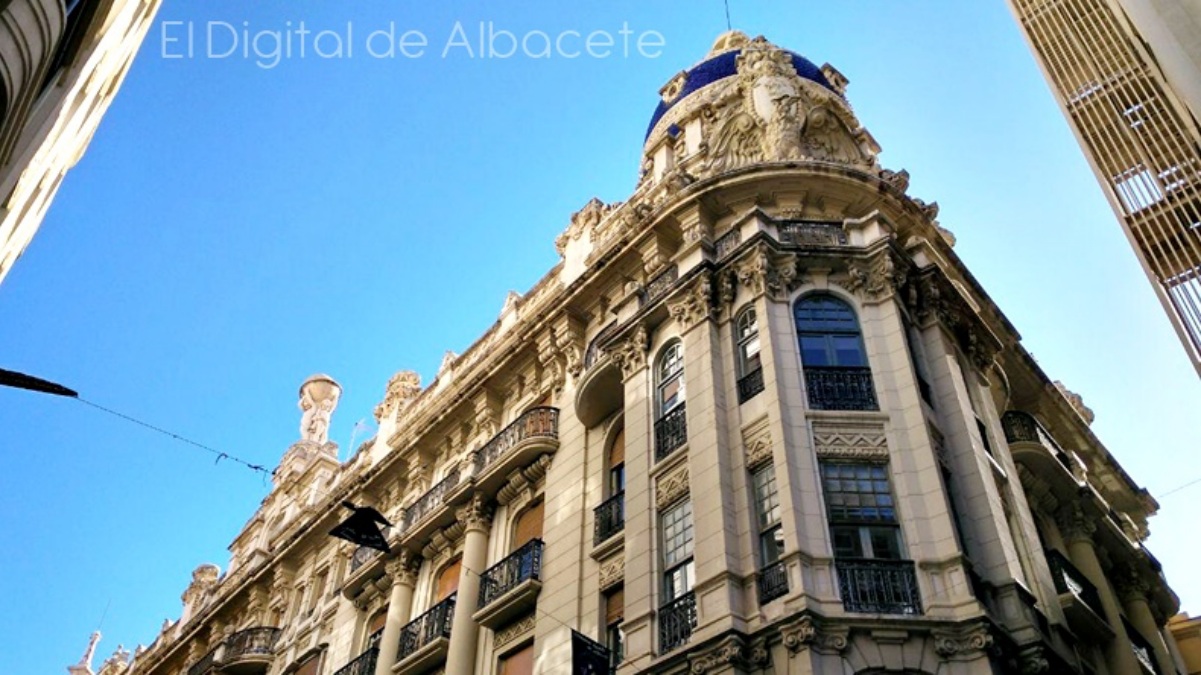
[[61, 64], [1127, 75], [802, 440]]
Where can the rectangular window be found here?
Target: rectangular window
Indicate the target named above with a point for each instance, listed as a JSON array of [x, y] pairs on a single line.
[[767, 509], [679, 573], [859, 503], [614, 615]]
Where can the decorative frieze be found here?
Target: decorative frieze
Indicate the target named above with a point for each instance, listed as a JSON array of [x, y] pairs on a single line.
[[807, 633], [730, 651], [853, 442], [513, 631], [612, 572], [963, 642], [756, 439], [671, 487]]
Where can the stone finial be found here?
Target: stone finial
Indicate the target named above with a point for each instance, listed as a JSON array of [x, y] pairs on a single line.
[[117, 663], [84, 667], [1077, 402], [318, 398]]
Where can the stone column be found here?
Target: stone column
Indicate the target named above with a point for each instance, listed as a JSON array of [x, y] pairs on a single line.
[[476, 517], [1077, 530], [403, 571], [1133, 590]]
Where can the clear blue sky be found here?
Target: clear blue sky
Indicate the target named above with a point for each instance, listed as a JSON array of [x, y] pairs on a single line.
[[234, 229]]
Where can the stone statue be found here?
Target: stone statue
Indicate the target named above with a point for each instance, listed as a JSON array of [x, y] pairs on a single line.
[[318, 397]]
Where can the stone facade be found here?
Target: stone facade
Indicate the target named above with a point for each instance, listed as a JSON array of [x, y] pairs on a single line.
[[759, 420], [60, 69]]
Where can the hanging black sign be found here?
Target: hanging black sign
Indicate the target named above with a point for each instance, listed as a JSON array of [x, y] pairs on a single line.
[[588, 657], [362, 527]]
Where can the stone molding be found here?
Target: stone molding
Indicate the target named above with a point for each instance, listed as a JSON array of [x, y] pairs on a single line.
[[730, 651]]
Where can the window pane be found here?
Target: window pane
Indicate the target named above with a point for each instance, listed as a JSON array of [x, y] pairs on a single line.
[[847, 351], [670, 394], [814, 351], [672, 361], [767, 502], [748, 324], [679, 581], [885, 543], [824, 313], [617, 479], [857, 493], [771, 544], [677, 534], [846, 542]]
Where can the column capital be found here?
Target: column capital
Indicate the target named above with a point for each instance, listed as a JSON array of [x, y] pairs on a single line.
[[630, 353], [762, 271], [694, 303], [1129, 585], [403, 568], [1075, 526], [477, 514]]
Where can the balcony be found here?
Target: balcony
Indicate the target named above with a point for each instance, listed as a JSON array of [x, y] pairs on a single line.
[[1143, 652], [510, 587], [878, 586], [250, 651], [609, 518], [423, 642], [671, 431], [1079, 598], [1021, 428], [839, 388], [772, 582], [727, 242], [677, 620], [361, 556], [364, 664], [530, 436], [749, 385], [206, 664]]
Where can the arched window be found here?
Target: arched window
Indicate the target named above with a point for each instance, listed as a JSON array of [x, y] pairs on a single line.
[[671, 378], [670, 429], [837, 375], [750, 370]]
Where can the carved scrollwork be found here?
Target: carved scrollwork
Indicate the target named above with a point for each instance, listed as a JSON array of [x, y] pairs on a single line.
[[963, 642], [403, 568], [806, 633], [874, 279], [765, 272], [730, 651], [403, 388], [630, 354], [476, 514]]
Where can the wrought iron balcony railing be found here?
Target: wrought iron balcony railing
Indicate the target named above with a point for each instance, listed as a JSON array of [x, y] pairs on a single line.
[[656, 287], [539, 422], [671, 431], [431, 500], [364, 664], [773, 582], [840, 388], [809, 233], [1143, 652], [362, 555], [677, 619], [252, 641], [749, 385], [522, 565], [1068, 579], [593, 352], [727, 242], [1021, 427], [878, 586], [205, 664], [609, 517], [428, 627]]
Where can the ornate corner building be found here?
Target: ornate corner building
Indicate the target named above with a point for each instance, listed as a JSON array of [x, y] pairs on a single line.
[[760, 419], [1127, 75], [61, 63]]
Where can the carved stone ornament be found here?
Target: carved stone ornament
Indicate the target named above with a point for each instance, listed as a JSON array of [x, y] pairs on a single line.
[[318, 397], [403, 388], [763, 271], [1033, 661], [694, 303], [874, 279], [805, 633], [1077, 402], [671, 488], [967, 641], [853, 442], [514, 630], [584, 221], [1130, 585], [897, 179], [730, 651], [476, 514], [612, 572], [630, 354], [403, 568], [569, 347]]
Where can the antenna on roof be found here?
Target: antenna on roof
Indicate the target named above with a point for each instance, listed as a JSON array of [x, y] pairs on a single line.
[[728, 25]]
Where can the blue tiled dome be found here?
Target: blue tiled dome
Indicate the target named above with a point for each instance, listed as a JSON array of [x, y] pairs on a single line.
[[725, 65]]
